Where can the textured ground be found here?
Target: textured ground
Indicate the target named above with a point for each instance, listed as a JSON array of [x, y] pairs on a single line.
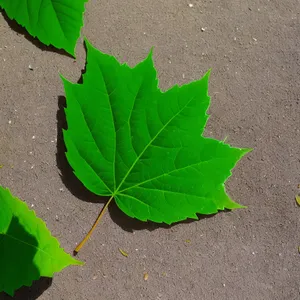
[[253, 48]]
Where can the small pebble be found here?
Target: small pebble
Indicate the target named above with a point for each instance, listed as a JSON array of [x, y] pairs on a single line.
[[56, 218], [191, 5], [9, 122], [33, 137], [30, 67]]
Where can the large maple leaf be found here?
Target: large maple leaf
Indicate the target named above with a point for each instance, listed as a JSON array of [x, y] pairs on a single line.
[[143, 147]]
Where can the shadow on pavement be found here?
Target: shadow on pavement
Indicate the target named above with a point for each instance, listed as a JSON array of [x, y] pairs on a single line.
[[30, 293]]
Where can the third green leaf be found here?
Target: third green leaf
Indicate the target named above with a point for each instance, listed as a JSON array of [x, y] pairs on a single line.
[[55, 22], [143, 147], [27, 248]]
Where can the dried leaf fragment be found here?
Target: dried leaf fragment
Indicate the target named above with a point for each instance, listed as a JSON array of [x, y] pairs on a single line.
[[146, 276], [124, 253]]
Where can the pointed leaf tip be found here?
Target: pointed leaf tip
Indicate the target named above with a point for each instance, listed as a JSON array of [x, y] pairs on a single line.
[[208, 73], [151, 52], [206, 78]]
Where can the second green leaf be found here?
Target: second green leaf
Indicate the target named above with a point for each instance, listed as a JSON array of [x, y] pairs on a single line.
[[55, 22]]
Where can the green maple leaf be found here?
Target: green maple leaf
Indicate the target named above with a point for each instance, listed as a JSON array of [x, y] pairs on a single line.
[[55, 22], [143, 147], [27, 249]]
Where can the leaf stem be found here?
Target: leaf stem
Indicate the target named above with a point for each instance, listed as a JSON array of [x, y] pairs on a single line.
[[77, 249]]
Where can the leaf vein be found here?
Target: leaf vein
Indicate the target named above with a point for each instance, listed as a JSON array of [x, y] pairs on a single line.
[[169, 173], [151, 141]]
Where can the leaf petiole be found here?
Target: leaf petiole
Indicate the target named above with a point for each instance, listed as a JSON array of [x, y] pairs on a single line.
[[77, 249]]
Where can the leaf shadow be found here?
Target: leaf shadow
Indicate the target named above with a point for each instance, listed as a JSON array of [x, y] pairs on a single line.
[[35, 41], [23, 265], [131, 224], [72, 183], [30, 293]]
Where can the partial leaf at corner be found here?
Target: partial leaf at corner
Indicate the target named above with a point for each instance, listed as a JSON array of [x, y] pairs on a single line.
[[27, 249], [53, 22]]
